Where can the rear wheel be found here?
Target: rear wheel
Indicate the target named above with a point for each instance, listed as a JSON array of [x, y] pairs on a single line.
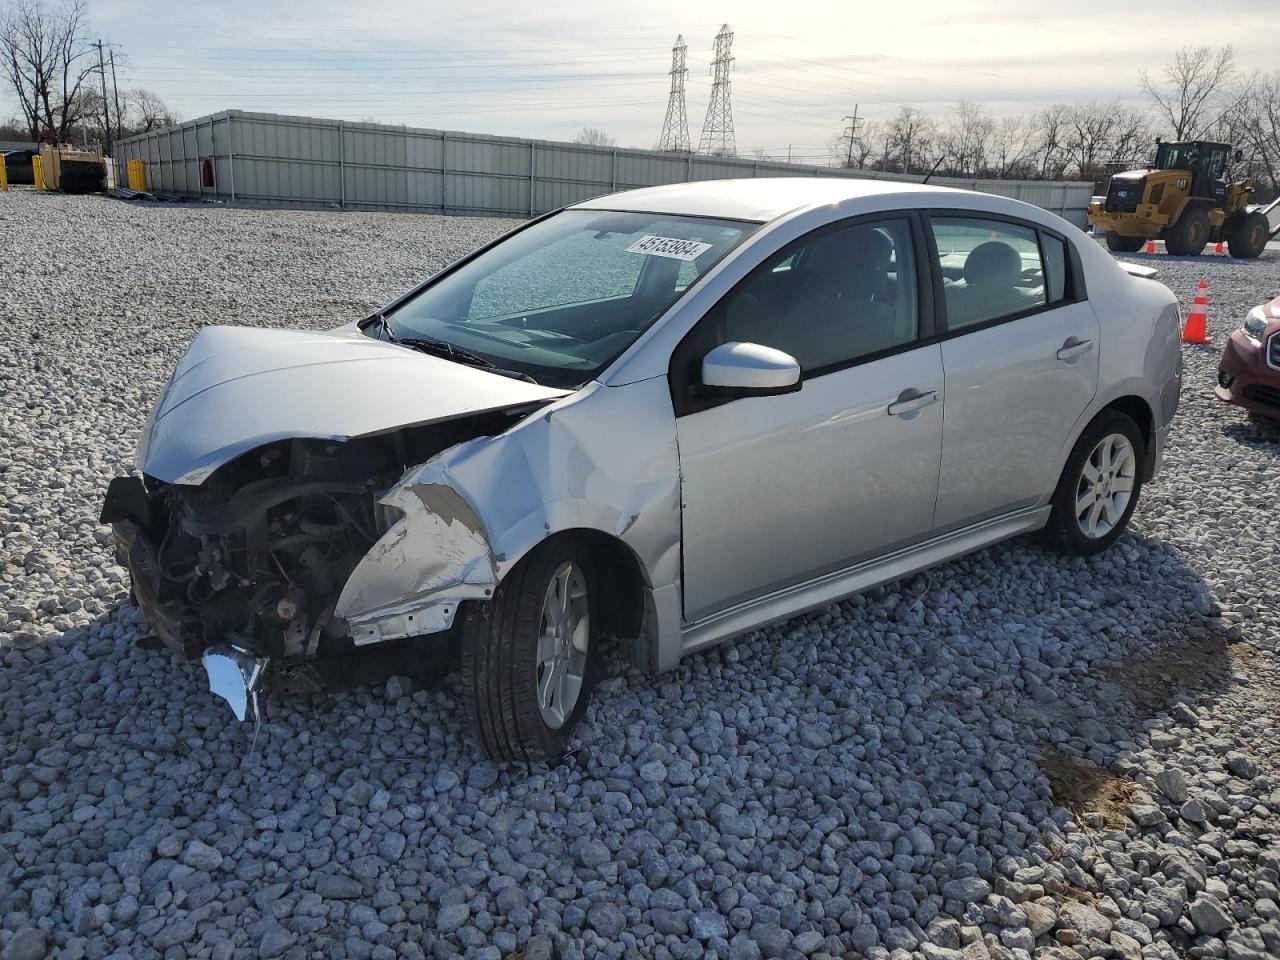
[[1119, 244], [531, 656], [1187, 237], [1099, 487], [1248, 237]]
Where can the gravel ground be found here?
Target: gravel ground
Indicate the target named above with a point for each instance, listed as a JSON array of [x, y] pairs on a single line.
[[1010, 755]]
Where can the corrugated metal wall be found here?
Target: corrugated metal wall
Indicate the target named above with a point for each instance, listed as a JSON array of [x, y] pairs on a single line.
[[267, 159]]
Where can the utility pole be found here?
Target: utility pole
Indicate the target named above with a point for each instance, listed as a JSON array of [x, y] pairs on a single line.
[[115, 95], [106, 112], [788, 153], [853, 129]]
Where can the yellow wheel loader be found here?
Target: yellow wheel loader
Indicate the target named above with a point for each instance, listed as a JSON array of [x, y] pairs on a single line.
[[1185, 200]]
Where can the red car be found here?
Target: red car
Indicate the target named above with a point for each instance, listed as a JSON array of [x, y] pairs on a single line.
[[1249, 372]]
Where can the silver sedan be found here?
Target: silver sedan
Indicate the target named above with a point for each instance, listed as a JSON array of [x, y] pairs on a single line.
[[668, 415]]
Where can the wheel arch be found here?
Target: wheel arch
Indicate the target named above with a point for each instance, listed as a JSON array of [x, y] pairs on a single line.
[[1131, 405], [1140, 412], [620, 573]]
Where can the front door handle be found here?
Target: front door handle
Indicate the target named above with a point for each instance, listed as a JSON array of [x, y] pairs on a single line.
[[909, 401], [1073, 349]]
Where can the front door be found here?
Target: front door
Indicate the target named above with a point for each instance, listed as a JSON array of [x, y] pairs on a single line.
[[779, 489], [1021, 360]]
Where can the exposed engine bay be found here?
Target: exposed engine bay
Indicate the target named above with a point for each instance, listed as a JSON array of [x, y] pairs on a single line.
[[249, 564]]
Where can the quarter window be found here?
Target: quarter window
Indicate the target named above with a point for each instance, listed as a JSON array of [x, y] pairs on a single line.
[[1055, 266], [990, 269], [831, 297]]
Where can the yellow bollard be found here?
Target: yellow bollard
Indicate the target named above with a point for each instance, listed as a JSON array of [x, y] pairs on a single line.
[[4, 175], [137, 173], [37, 167]]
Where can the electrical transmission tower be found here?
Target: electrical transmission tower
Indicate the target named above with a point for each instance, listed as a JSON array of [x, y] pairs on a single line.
[[675, 128], [717, 129]]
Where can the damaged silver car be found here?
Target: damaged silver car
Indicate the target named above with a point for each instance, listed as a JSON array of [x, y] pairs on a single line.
[[669, 415]]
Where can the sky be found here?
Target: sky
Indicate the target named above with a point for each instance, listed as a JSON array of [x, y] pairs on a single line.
[[546, 69]]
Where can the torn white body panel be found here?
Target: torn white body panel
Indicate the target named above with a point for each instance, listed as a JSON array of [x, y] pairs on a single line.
[[412, 579]]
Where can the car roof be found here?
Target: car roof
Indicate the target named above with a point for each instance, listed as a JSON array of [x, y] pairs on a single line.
[[758, 199]]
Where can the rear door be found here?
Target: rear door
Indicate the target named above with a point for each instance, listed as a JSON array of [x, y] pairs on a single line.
[[1020, 355]]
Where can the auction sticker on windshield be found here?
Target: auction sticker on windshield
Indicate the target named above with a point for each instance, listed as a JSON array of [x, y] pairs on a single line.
[[671, 247]]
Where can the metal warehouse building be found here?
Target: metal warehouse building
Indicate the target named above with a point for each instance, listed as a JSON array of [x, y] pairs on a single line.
[[274, 160]]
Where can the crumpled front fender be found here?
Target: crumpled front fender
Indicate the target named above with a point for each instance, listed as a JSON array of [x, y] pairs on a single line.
[[603, 460], [434, 556]]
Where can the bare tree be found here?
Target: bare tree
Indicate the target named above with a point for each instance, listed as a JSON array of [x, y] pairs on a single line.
[[595, 137], [1255, 129], [46, 57], [909, 139], [966, 139], [146, 111], [1013, 146], [1197, 89]]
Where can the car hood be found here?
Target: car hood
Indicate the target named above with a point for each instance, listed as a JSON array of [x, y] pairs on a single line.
[[237, 388]]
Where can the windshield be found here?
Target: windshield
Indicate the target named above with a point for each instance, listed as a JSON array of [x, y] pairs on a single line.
[[559, 300], [1177, 156]]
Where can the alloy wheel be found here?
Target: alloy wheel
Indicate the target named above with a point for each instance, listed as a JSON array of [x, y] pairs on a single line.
[[1105, 485], [563, 642]]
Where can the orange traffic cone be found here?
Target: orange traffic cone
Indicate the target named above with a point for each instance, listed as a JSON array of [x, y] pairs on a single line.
[[1151, 247], [1195, 330], [1218, 251]]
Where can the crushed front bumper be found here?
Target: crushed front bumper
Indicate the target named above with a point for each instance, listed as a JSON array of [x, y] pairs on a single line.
[[180, 631]]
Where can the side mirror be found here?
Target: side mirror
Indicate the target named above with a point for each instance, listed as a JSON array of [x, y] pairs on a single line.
[[749, 370], [1239, 156]]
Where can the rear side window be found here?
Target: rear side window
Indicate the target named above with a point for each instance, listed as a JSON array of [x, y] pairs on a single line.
[[990, 269]]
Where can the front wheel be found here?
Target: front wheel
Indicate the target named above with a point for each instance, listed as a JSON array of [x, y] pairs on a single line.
[[1099, 487], [1187, 237], [531, 656]]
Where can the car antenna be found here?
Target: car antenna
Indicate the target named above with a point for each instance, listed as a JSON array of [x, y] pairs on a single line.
[[934, 169]]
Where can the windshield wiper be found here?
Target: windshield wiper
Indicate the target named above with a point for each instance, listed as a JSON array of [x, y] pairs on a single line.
[[442, 348], [378, 320]]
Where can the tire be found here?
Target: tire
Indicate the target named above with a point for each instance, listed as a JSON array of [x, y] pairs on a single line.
[[1187, 237], [1066, 530], [1119, 244], [1248, 237], [501, 650]]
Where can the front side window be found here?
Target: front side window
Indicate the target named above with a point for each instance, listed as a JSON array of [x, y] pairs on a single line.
[[558, 301], [831, 297], [990, 269]]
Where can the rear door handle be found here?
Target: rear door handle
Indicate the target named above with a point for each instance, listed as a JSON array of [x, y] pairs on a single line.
[[909, 401], [1074, 348]]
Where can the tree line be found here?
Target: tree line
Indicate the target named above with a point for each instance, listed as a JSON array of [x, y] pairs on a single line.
[[58, 77], [1199, 95]]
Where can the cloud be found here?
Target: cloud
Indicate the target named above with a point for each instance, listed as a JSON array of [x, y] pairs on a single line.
[[546, 70]]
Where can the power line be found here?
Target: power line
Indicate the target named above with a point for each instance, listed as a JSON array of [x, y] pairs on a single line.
[[675, 126], [717, 129]]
